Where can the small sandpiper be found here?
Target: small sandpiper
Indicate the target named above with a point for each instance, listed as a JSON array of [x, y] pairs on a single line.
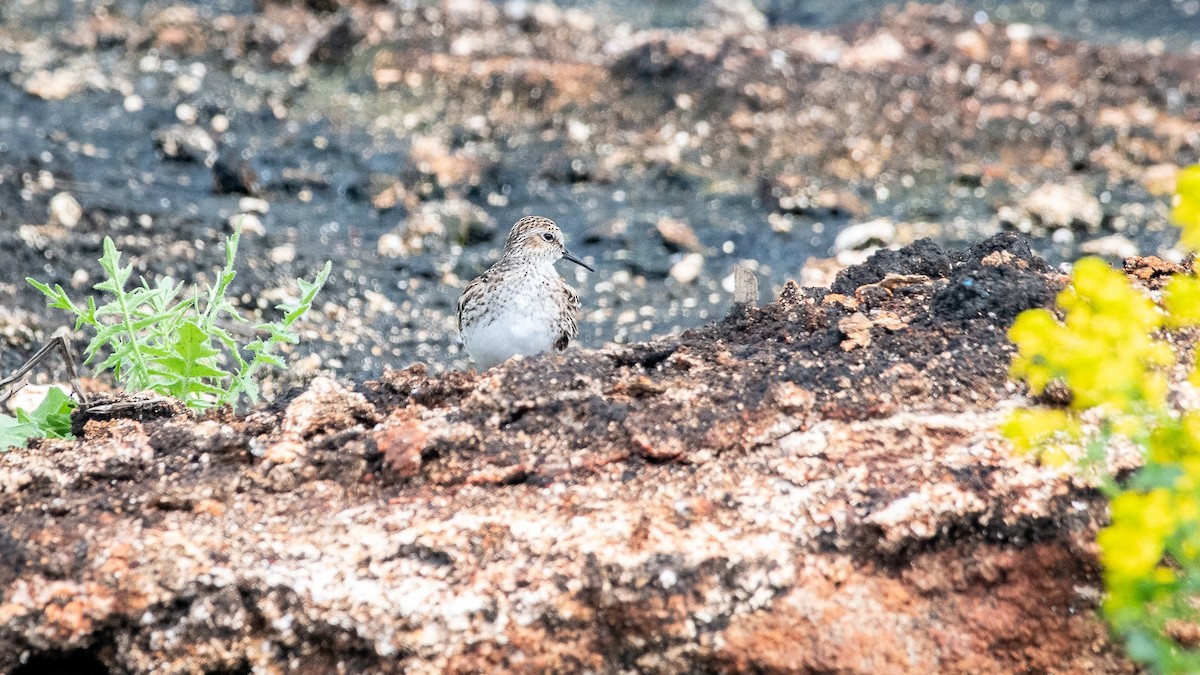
[[521, 305]]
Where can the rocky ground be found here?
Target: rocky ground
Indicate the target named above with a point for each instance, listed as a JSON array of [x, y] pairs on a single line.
[[814, 485], [401, 139]]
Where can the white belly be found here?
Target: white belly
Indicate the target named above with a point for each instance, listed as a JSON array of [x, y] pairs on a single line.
[[525, 328]]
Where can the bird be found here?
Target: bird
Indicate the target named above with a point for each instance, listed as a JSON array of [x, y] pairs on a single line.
[[520, 305]]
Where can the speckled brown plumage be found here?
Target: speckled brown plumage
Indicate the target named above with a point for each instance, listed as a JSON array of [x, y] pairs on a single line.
[[520, 305]]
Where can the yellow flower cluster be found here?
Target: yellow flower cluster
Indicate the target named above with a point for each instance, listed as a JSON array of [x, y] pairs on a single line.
[[1186, 213], [1108, 351], [1104, 351]]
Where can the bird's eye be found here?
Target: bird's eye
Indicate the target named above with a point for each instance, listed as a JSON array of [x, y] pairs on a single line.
[[547, 236]]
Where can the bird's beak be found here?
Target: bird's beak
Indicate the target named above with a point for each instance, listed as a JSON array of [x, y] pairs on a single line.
[[575, 259]]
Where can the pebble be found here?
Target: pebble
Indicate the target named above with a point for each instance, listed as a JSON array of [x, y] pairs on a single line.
[[248, 223], [54, 85], [185, 142], [972, 45], [880, 49], [1054, 206], [186, 113], [734, 16], [1019, 32], [284, 253], [880, 231], [1159, 180], [1114, 246], [578, 132], [391, 245], [678, 235], [253, 205], [688, 268], [65, 210], [29, 397]]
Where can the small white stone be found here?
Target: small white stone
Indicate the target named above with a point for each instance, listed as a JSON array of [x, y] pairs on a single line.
[[729, 283], [64, 210], [1115, 245], [253, 205], [186, 113], [857, 237], [285, 253], [688, 268], [578, 132], [1062, 236], [1057, 206], [248, 223], [391, 245], [133, 103], [1019, 32]]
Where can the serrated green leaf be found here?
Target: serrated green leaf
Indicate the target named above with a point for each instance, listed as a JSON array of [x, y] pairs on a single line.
[[202, 388], [193, 343], [271, 360], [152, 338], [53, 414], [14, 433], [50, 419], [111, 262]]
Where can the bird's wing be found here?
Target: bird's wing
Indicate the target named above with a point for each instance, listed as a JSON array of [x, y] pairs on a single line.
[[470, 294], [570, 328]]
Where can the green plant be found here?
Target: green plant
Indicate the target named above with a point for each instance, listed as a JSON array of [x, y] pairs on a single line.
[[176, 346], [1110, 350], [51, 419]]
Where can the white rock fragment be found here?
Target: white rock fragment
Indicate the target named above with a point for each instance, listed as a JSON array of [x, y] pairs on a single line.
[[248, 223], [578, 132], [688, 268], [253, 205], [284, 253], [391, 245], [54, 85], [734, 16], [880, 49], [65, 210], [186, 113], [30, 396], [1115, 246], [667, 578], [880, 231], [972, 44], [1061, 205], [1019, 32], [678, 234]]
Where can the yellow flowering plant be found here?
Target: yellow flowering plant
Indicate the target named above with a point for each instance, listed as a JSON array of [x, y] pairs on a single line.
[[1106, 345]]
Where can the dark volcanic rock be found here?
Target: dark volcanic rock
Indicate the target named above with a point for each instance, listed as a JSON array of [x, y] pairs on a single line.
[[920, 257], [999, 277]]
